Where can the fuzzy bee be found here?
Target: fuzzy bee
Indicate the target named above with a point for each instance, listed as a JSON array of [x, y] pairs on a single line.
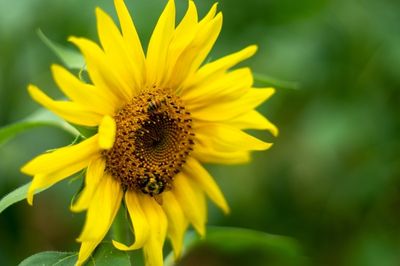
[[154, 105], [153, 185]]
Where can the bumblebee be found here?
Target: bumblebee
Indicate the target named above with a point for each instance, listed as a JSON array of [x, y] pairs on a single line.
[[154, 105], [152, 185]]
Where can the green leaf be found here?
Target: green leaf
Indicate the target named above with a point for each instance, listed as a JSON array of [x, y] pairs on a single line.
[[265, 80], [40, 118], [50, 258], [237, 241], [104, 255], [70, 58], [15, 196], [21, 193]]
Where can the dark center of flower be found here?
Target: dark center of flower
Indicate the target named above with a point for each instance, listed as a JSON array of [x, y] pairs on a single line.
[[154, 136]]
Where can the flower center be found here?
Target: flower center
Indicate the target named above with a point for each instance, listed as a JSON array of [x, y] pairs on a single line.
[[154, 136]]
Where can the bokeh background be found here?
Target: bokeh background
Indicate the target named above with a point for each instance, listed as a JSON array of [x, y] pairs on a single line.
[[332, 179]]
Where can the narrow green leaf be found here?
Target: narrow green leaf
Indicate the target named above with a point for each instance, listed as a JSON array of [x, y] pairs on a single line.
[[104, 255], [21, 192], [239, 240], [40, 118], [71, 58], [12, 130], [265, 80], [16, 196]]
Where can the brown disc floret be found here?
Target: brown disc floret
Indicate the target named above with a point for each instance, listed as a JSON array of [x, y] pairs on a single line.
[[154, 136]]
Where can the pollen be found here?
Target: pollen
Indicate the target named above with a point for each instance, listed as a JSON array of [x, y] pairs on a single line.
[[154, 136]]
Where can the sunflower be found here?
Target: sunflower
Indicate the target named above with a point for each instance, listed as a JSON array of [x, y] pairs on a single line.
[[158, 117]]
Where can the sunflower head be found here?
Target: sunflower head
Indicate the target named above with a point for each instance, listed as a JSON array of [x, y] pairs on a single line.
[[159, 115], [154, 137]]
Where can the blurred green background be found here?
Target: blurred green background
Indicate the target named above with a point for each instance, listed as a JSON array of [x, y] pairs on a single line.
[[332, 179]]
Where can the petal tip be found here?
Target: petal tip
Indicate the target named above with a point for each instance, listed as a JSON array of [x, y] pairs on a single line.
[[274, 131], [29, 196], [55, 67], [72, 39], [252, 49], [25, 169], [225, 209], [32, 89], [75, 40], [267, 146], [119, 245], [272, 90], [100, 14], [201, 230], [75, 208], [107, 131], [29, 199]]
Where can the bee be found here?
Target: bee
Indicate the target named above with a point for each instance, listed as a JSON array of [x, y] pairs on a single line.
[[153, 185], [154, 105]]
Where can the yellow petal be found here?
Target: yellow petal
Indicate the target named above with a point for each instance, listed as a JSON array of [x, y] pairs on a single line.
[[225, 110], [107, 131], [131, 38], [158, 46], [227, 87], [219, 67], [153, 254], [200, 199], [70, 111], [158, 225], [81, 93], [53, 167], [210, 15], [101, 72], [94, 173], [200, 175], [102, 209], [195, 53], [85, 251], [192, 205], [185, 31], [116, 53], [182, 38], [177, 222], [63, 157], [41, 181], [207, 154], [253, 120], [141, 226], [226, 138]]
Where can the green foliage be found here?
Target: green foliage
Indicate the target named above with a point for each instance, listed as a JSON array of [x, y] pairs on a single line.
[[238, 241], [104, 255], [50, 258], [71, 58], [10, 131], [15, 196], [41, 118]]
